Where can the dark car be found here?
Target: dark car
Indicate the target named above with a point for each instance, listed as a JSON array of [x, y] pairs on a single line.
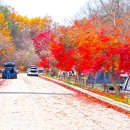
[[9, 67]]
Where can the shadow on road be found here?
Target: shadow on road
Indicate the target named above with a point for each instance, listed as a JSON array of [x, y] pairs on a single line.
[[36, 93]]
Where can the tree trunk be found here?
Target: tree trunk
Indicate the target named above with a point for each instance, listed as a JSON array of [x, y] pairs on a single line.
[[116, 88]]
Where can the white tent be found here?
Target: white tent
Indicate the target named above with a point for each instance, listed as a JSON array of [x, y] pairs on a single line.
[[126, 85]]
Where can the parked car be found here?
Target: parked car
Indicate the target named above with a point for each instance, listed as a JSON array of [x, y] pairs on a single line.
[[32, 70], [41, 70], [9, 67]]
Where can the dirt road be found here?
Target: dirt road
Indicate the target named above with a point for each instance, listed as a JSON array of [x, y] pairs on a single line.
[[31, 103]]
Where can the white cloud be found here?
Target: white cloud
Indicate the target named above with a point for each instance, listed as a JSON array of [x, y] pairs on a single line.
[[57, 9]]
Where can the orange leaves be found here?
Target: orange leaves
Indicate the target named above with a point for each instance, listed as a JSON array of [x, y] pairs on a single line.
[[4, 26], [34, 24], [2, 19], [119, 21], [19, 21], [87, 44], [6, 45], [39, 24], [21, 68], [95, 45], [5, 34]]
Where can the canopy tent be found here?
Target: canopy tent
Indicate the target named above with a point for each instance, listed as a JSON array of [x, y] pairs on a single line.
[[101, 78], [126, 85], [91, 78]]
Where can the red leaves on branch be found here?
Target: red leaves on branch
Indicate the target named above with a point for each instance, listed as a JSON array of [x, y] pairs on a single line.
[[42, 48], [41, 42], [88, 44], [65, 60], [125, 58], [44, 63]]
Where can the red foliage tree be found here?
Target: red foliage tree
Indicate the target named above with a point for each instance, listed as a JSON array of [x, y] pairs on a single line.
[[89, 44], [65, 59], [44, 63], [41, 43]]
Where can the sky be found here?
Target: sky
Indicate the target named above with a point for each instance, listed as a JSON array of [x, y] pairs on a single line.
[[59, 10]]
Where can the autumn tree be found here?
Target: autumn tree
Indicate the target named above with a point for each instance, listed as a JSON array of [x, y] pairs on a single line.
[[38, 25], [6, 45], [89, 44], [41, 43]]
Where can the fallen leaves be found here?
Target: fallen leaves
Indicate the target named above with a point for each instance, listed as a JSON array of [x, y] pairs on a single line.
[[88, 98]]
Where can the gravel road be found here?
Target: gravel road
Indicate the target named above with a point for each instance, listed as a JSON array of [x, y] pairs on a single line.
[[32, 103]]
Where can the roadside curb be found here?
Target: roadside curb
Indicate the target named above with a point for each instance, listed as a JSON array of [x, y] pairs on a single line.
[[118, 106]]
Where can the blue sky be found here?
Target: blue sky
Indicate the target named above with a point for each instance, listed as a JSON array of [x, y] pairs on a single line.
[[59, 10]]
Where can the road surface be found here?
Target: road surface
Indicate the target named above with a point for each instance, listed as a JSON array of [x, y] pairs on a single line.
[[32, 103]]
